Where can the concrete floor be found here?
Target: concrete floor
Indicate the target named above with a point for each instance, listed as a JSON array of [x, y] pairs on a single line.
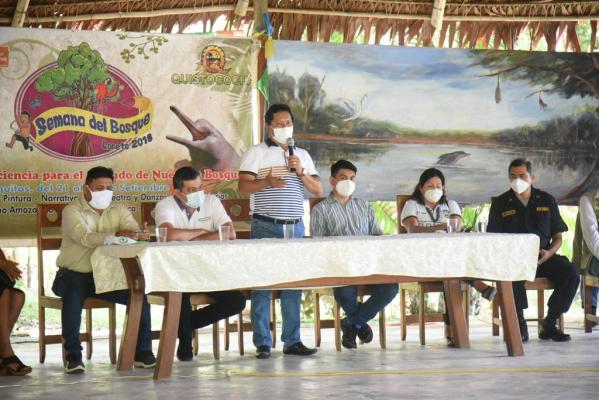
[[406, 369]]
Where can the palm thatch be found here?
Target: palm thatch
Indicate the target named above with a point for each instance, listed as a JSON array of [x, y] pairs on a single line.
[[462, 23]]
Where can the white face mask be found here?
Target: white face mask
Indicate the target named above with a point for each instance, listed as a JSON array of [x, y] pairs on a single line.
[[101, 199], [519, 185], [433, 195], [282, 134], [345, 188], [196, 199]]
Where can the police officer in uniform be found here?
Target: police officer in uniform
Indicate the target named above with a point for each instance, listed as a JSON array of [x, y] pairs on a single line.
[[525, 209]]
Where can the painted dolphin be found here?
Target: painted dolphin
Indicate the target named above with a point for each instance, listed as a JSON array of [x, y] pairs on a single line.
[[452, 158]]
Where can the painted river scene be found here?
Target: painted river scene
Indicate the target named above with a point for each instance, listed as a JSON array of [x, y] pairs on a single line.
[[466, 112]]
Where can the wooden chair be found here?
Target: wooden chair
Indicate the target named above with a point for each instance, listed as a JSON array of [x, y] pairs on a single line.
[[540, 285], [421, 288], [239, 211], [196, 300], [240, 326], [49, 237], [588, 281], [335, 323]]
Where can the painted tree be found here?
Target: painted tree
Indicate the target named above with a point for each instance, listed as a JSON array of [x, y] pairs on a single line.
[[565, 74], [80, 69], [281, 88], [309, 92], [568, 74]]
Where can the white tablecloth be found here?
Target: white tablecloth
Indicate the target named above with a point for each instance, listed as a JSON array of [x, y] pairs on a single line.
[[212, 265]]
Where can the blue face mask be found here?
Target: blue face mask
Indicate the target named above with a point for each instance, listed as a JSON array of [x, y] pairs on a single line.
[[196, 199]]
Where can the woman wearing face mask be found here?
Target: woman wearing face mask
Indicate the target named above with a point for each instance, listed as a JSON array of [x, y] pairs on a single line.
[[428, 210]]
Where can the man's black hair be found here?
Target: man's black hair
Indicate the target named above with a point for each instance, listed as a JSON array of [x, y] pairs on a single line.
[[98, 172], [424, 177], [26, 113], [342, 164], [184, 174], [275, 108], [518, 162]]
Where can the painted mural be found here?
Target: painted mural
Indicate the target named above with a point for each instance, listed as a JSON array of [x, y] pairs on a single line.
[[396, 111]]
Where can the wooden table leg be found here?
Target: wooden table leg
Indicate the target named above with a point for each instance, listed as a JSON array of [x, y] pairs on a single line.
[[168, 335], [136, 284], [457, 319], [511, 330], [588, 302]]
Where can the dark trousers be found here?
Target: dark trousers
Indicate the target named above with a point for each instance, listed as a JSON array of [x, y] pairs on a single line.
[[73, 287], [24, 140], [563, 274], [226, 304], [361, 313]]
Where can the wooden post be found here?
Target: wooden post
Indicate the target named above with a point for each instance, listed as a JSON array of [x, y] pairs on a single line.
[[136, 285], [20, 13], [511, 330], [457, 319], [168, 335]]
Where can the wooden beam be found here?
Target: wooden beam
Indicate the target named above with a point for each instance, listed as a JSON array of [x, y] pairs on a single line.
[[438, 14], [20, 13], [453, 4], [329, 13]]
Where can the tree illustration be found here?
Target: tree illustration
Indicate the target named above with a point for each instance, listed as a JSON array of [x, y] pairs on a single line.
[[309, 92], [79, 72], [567, 74], [281, 88]]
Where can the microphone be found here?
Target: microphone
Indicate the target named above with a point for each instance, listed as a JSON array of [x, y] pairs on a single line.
[[290, 144]]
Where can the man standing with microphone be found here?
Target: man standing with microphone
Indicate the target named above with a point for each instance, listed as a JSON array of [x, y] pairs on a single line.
[[275, 174]]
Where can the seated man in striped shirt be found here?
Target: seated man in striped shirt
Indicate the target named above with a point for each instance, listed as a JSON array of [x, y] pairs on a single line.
[[341, 214], [276, 180]]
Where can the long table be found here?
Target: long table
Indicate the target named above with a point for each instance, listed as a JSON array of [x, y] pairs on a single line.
[[175, 267]]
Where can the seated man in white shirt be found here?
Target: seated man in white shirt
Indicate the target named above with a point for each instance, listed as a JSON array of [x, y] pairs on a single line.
[[191, 214]]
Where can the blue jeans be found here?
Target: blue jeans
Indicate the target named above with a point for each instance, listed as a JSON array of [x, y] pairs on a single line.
[[594, 271], [290, 299], [356, 313], [74, 287]]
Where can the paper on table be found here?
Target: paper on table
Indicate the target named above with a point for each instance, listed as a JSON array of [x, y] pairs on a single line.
[[118, 240]]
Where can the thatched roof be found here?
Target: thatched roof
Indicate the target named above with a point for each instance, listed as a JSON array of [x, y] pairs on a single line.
[[465, 23]]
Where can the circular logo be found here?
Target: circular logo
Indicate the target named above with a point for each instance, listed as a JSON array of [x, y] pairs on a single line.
[[72, 116], [213, 59]]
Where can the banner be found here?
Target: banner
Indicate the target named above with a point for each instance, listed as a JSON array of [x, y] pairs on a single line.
[[142, 104], [396, 111]]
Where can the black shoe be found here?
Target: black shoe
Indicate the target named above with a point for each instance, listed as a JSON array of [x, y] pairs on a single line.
[[489, 293], [184, 352], [299, 349], [523, 330], [552, 332], [449, 340], [365, 333], [145, 359], [74, 365], [348, 338], [263, 352]]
